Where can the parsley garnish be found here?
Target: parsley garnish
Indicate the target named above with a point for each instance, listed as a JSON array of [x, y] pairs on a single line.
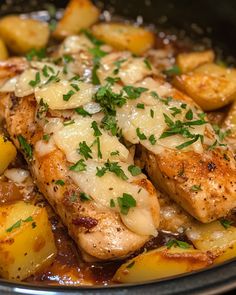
[[18, 223], [84, 197], [134, 92], [140, 106], [82, 112], [222, 134], [42, 109], [134, 170], [147, 63], [75, 86], [92, 38], [60, 182], [126, 202], [97, 132], [118, 64], [189, 115], [85, 150], [36, 81], [226, 223], [175, 70], [112, 203], [68, 95], [46, 137], [152, 139], [27, 148], [112, 167], [115, 153], [109, 123], [99, 148], [140, 135], [78, 166], [196, 188], [180, 244], [176, 111], [36, 54], [152, 113]]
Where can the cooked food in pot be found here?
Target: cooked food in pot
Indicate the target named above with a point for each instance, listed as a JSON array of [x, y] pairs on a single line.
[[112, 168]]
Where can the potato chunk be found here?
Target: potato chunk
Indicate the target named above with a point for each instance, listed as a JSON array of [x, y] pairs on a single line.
[[230, 121], [26, 240], [210, 85], [216, 238], [22, 35], [7, 153], [161, 263], [124, 36], [190, 61], [79, 14], [3, 50]]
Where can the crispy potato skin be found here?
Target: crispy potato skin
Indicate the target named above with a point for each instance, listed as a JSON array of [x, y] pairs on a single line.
[[177, 172], [3, 50], [210, 86], [79, 14], [22, 35], [161, 263], [124, 36], [7, 153], [190, 61]]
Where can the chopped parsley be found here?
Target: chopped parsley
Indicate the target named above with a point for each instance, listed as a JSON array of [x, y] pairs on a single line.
[[140, 135], [60, 182], [99, 148], [68, 95], [36, 54], [175, 111], [177, 243], [85, 197], [134, 92], [175, 70], [222, 134], [189, 115], [36, 81], [26, 147], [126, 202], [152, 113], [85, 150], [78, 166], [117, 65], [46, 137], [42, 109], [115, 153], [226, 223], [112, 80], [97, 132], [81, 111], [147, 63], [134, 170], [92, 38], [112, 203], [165, 100], [109, 123], [18, 224], [113, 167], [75, 86], [140, 106], [152, 139], [196, 188]]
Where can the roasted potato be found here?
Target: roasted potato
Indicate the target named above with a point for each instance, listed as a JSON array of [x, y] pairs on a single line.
[[217, 237], [26, 240], [79, 14], [124, 36], [3, 50], [7, 153], [210, 86], [190, 61], [230, 121], [21, 35], [161, 263]]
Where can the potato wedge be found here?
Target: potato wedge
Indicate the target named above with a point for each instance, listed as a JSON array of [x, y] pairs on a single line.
[[216, 238], [210, 85], [230, 121], [124, 36], [3, 50], [21, 35], [190, 61], [161, 263], [7, 153], [26, 240], [79, 14]]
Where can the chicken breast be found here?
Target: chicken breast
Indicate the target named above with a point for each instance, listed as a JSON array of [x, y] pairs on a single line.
[[100, 231]]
